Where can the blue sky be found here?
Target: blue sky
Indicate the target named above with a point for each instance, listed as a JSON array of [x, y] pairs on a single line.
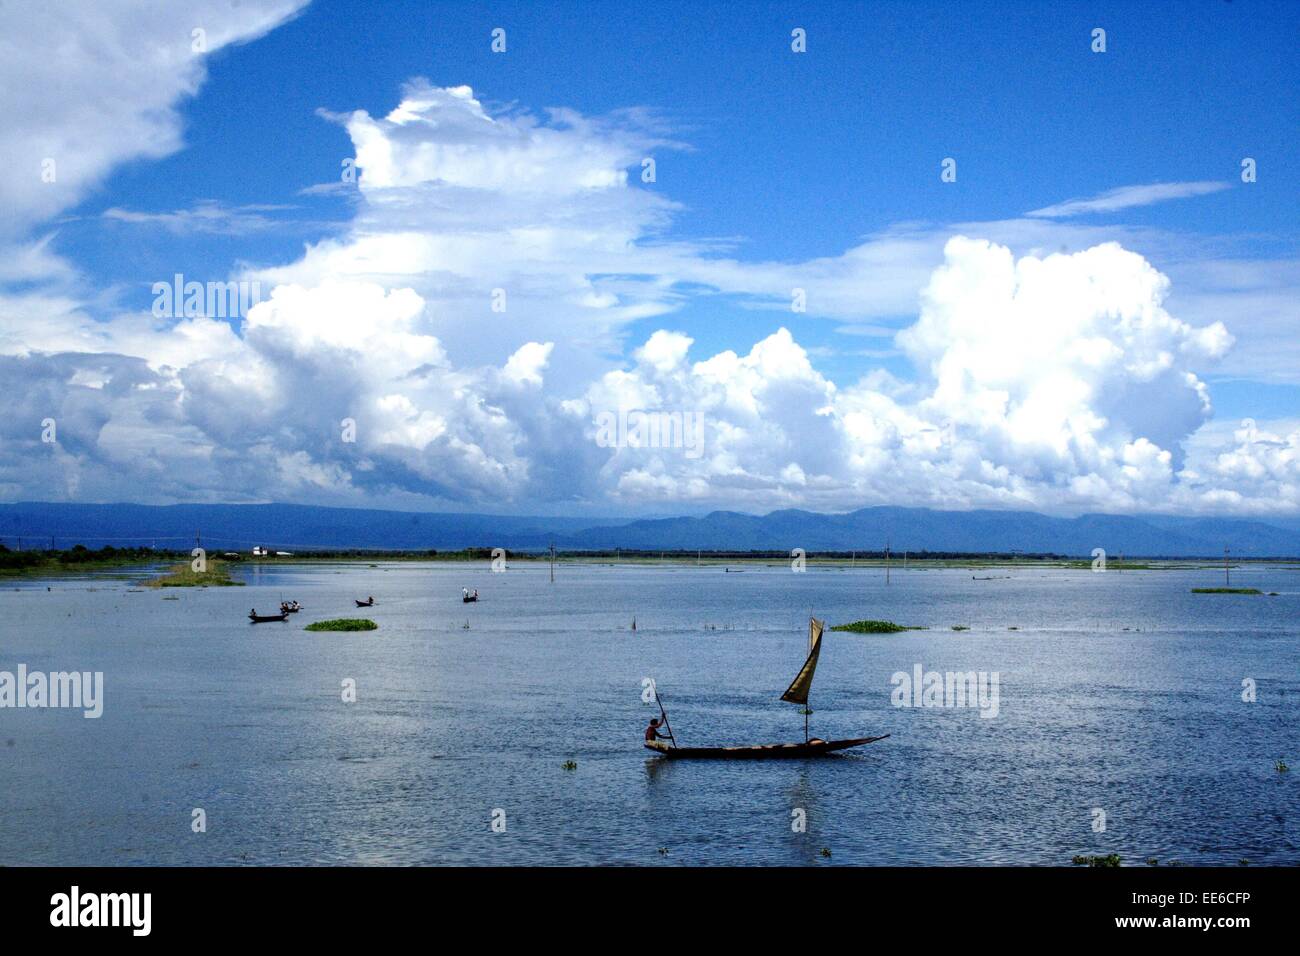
[[770, 161]]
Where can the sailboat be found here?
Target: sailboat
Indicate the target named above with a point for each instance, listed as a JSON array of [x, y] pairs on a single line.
[[796, 693]]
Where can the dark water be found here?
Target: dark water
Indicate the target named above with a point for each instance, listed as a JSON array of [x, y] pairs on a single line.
[[1119, 692]]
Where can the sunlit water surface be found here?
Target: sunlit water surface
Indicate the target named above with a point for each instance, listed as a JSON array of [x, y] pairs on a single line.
[[1119, 693]]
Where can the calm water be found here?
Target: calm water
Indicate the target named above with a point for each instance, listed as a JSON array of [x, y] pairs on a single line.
[[1120, 691]]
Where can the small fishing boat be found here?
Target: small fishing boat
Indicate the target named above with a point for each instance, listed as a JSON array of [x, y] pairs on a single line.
[[290, 607], [467, 596], [368, 602], [264, 618], [796, 693]]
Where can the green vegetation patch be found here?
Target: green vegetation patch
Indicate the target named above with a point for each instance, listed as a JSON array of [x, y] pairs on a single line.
[[874, 627], [184, 576], [344, 624], [1111, 860], [1226, 591]]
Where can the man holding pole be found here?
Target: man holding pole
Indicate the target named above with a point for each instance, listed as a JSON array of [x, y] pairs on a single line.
[[652, 732]]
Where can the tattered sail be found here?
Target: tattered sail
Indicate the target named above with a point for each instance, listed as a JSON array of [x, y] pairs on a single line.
[[797, 692]]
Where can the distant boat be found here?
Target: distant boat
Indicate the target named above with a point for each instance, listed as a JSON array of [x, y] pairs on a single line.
[[368, 602], [796, 693], [467, 596], [290, 607], [264, 618]]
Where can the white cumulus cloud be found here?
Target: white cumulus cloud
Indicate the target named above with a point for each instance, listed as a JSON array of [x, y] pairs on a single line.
[[471, 322]]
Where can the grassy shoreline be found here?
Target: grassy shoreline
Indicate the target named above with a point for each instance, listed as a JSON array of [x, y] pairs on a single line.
[[38, 564], [79, 560], [716, 559]]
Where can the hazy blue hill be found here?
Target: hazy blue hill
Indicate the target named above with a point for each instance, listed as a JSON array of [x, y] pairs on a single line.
[[303, 527], [918, 529], [240, 527]]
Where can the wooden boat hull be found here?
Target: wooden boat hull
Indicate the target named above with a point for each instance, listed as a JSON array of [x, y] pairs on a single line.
[[364, 603], [470, 600], [813, 748], [266, 618]]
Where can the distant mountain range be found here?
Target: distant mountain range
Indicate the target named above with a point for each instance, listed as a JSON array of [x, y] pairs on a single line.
[[304, 527]]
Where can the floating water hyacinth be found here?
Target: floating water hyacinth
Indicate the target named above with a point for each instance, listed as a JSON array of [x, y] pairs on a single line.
[[874, 627], [343, 624]]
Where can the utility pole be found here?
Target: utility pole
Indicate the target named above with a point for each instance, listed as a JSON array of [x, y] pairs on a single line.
[[1226, 583], [552, 562], [853, 561], [886, 560]]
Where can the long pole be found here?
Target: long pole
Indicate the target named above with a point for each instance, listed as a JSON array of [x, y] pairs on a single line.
[[807, 702], [552, 562], [664, 714]]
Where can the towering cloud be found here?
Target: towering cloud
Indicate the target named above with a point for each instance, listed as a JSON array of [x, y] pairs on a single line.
[[1055, 383]]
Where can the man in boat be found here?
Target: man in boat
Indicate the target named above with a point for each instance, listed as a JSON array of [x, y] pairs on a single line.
[[652, 732]]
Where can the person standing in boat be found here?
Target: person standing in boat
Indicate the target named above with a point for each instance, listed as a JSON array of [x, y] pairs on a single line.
[[652, 732]]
